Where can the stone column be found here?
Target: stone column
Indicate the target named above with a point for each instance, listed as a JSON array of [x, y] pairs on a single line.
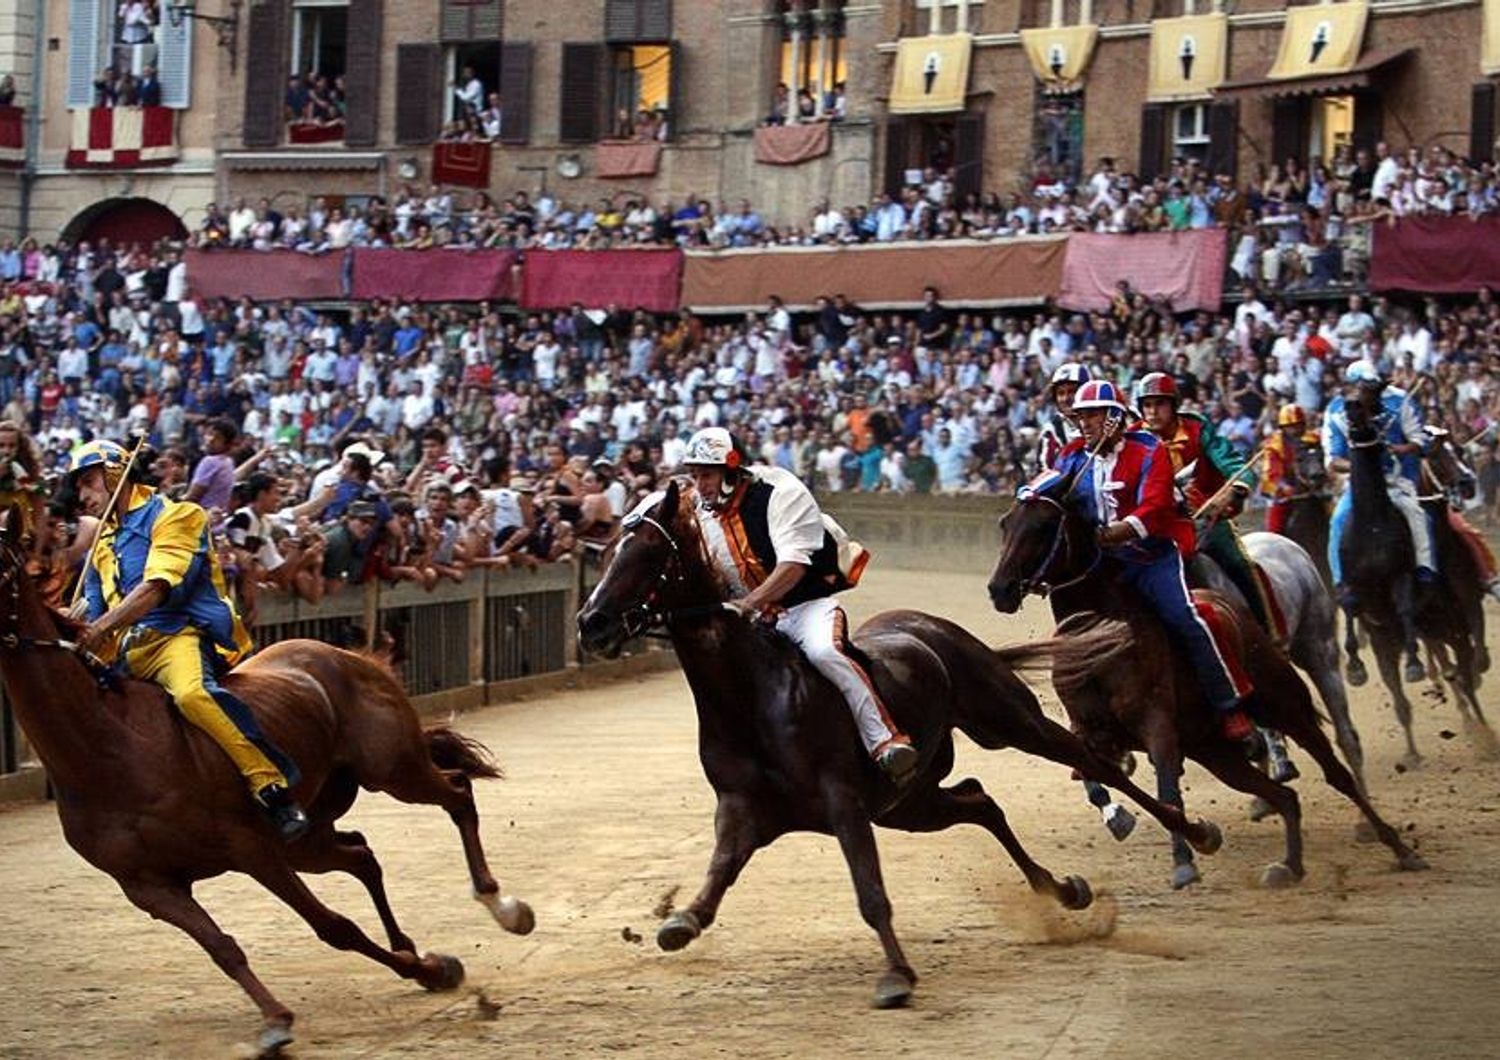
[[794, 26]]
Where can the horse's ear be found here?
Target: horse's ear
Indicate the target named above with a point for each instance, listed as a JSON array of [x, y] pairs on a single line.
[[671, 501], [11, 521]]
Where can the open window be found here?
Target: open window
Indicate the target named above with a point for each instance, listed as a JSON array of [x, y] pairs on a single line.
[[813, 63]]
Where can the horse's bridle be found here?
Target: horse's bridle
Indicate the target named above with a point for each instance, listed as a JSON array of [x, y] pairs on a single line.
[[1061, 540], [13, 641], [646, 617]]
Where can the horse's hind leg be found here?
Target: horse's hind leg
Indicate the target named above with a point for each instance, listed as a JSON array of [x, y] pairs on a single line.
[[967, 803], [1387, 650], [737, 835], [433, 971], [348, 852], [1119, 820], [1166, 759], [175, 905], [1227, 762], [454, 792], [857, 839], [1312, 739], [1321, 664], [1355, 668]]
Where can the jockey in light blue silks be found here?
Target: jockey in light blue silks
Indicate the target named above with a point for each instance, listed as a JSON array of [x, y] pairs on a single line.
[[1404, 439]]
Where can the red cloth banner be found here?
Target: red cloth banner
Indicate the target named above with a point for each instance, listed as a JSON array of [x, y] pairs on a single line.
[[438, 275], [648, 279], [1001, 272], [1442, 255], [315, 132], [12, 136], [460, 162], [627, 159], [264, 275], [123, 138], [787, 145], [1184, 268]]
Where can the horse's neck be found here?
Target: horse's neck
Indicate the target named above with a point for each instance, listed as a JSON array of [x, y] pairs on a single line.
[[1367, 482], [59, 706]]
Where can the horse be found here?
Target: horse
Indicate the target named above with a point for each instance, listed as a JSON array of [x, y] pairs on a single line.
[[1379, 563], [779, 746], [1308, 510], [1124, 687], [1447, 482], [150, 800]]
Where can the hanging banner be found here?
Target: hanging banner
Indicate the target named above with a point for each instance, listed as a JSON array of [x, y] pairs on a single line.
[[1489, 47], [1060, 54], [1188, 57], [1321, 39], [931, 74]]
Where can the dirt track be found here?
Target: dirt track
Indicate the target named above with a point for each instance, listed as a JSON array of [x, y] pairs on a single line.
[[606, 810]]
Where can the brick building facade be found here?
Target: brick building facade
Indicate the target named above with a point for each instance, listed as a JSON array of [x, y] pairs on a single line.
[[566, 71]]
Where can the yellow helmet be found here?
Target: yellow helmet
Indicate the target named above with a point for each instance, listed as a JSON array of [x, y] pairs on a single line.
[[111, 456], [1291, 416]]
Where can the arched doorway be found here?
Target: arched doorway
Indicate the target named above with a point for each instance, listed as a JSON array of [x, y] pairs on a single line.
[[124, 222]]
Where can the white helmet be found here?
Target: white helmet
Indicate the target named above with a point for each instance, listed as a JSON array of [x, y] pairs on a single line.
[[1071, 372], [712, 447]]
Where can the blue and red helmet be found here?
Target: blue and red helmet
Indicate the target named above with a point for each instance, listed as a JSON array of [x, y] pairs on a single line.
[[1099, 394]]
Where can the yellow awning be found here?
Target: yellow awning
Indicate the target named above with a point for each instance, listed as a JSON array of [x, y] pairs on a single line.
[[1320, 39], [1489, 48], [1060, 54], [1187, 57], [932, 74]]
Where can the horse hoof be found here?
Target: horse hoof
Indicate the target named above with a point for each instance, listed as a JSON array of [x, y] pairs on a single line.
[[272, 1040], [1075, 893], [1410, 761], [448, 975], [1355, 673], [1127, 764], [1411, 861], [1212, 840], [1277, 875], [893, 990], [1185, 876], [677, 931], [1260, 809], [1364, 832], [1415, 672], [516, 916], [1284, 771], [1119, 821]]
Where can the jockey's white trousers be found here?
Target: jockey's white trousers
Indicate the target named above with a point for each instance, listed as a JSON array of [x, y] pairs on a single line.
[[820, 629]]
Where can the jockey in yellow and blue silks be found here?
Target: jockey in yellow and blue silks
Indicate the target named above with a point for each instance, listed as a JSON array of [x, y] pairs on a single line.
[[157, 603]]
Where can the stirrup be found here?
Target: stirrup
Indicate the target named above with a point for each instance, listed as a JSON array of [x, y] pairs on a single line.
[[286, 815]]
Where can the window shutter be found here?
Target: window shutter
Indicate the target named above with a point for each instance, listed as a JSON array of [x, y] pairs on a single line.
[[1153, 140], [515, 92], [895, 154], [1288, 130], [1368, 121], [1482, 122], [581, 93], [654, 22], [676, 100], [471, 20], [418, 92], [621, 20], [84, 62], [265, 75], [362, 73], [174, 63], [1224, 137], [968, 155]]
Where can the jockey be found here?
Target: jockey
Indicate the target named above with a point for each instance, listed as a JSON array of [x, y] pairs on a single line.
[[155, 578], [1125, 479], [1282, 481], [1061, 429], [1193, 443], [1404, 444], [1468, 533], [767, 538]]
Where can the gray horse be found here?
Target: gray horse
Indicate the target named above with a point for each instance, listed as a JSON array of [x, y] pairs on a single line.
[[1312, 644]]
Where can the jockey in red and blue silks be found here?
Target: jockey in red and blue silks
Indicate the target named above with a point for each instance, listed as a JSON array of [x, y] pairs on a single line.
[[1123, 481]]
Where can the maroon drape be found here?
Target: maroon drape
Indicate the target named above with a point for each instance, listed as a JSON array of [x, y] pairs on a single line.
[[439, 275], [649, 279], [627, 159], [265, 275], [1185, 268], [461, 162], [1444, 255], [314, 132], [787, 145]]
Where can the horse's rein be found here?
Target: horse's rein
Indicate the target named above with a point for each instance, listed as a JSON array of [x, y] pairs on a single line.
[[1037, 583], [101, 671], [644, 618]]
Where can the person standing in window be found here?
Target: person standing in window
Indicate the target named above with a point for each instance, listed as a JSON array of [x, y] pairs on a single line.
[[470, 92]]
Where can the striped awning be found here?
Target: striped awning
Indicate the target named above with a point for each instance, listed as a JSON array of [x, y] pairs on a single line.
[[1361, 75]]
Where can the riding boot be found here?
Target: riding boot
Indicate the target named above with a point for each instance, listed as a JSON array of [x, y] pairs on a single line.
[[897, 759], [288, 817]]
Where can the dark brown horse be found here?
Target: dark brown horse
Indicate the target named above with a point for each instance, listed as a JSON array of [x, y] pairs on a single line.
[[1309, 508], [780, 748], [1125, 689], [156, 804]]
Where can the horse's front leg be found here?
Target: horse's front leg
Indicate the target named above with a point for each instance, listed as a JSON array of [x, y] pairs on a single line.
[[1160, 739], [738, 833], [1404, 599], [857, 839], [1354, 669]]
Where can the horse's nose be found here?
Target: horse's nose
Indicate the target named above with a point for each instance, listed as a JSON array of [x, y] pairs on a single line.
[[1003, 596], [593, 628]]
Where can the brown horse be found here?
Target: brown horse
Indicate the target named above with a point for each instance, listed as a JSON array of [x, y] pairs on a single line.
[[1124, 688], [156, 804], [778, 743]]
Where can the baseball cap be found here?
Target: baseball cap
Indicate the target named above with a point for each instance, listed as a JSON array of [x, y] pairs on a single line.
[[362, 510]]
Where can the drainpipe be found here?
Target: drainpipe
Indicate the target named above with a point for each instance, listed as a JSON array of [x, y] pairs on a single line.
[[33, 118]]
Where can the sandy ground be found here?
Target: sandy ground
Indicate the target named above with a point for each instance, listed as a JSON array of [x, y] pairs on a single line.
[[605, 810]]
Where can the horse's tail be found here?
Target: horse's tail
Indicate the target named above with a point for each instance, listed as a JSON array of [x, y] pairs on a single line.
[[1083, 644], [452, 750]]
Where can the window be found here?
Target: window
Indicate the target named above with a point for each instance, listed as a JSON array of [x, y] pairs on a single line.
[[813, 60], [641, 89], [320, 33], [1332, 126], [1190, 137], [483, 60], [1057, 135], [115, 41]]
